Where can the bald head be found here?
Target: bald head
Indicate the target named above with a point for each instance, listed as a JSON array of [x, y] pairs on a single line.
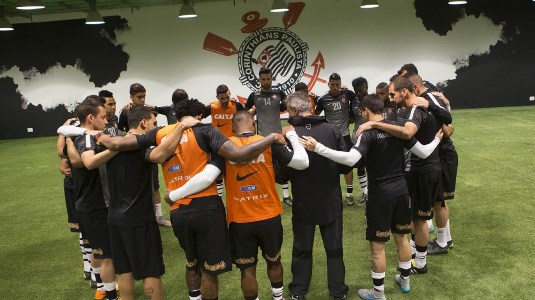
[[242, 121]]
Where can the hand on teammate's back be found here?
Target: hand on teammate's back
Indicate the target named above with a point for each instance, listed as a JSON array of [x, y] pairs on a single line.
[[422, 102], [279, 138], [308, 142], [365, 126], [189, 122]]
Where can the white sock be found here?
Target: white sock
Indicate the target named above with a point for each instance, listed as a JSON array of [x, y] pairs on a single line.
[[381, 287], [421, 259], [110, 286], [285, 190], [277, 293], [448, 233], [158, 209], [85, 256], [220, 189], [441, 237], [199, 297], [413, 247], [363, 181]]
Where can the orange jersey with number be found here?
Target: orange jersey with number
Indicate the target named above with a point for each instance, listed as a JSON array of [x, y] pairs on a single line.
[[188, 160], [250, 186], [222, 117]]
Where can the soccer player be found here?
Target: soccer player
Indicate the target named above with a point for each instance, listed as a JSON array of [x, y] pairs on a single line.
[[449, 162], [199, 221], [268, 104], [167, 111], [390, 111], [221, 112], [69, 188], [134, 235], [89, 202], [388, 208], [423, 175], [407, 70], [360, 86], [138, 94], [112, 128], [337, 106], [317, 201]]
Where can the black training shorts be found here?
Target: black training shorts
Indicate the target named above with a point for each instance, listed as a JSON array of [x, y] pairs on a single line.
[[245, 239], [423, 193], [449, 162], [94, 225], [137, 250], [203, 235], [387, 215]]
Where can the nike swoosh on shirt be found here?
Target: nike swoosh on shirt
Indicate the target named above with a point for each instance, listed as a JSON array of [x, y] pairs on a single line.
[[221, 125], [241, 178]]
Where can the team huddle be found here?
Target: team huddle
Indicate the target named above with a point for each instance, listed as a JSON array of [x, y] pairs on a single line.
[[405, 160]]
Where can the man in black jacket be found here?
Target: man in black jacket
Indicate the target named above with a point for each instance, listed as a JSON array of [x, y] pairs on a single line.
[[317, 201]]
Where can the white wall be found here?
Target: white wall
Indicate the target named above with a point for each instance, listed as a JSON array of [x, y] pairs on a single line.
[[167, 52]]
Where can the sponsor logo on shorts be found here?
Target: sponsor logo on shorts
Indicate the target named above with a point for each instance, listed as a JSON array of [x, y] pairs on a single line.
[[74, 225], [98, 251], [382, 234], [248, 188], [424, 213], [403, 227], [191, 264], [273, 258], [244, 261], [219, 266], [174, 168]]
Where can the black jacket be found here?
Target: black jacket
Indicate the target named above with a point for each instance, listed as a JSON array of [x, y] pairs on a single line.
[[317, 197]]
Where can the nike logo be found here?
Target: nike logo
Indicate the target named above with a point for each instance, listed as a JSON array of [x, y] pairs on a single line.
[[221, 125], [241, 178]]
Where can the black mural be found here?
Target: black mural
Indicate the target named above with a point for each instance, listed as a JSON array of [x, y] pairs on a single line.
[[506, 74], [36, 47]]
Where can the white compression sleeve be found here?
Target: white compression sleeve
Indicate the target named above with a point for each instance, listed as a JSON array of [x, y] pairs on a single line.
[[69, 130], [346, 158], [196, 183], [423, 151], [300, 158]]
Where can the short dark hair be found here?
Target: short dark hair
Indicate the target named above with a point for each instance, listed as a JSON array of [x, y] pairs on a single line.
[[105, 94], [382, 85], [94, 100], [221, 89], [190, 108], [359, 81], [89, 106], [372, 102], [403, 83], [179, 95], [410, 68], [137, 114], [334, 76], [137, 88], [393, 78], [301, 87], [264, 70]]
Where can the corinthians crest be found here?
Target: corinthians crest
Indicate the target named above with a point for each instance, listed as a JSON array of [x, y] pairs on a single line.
[[276, 48]]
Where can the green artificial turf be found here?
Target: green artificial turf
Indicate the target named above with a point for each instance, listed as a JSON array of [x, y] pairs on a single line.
[[491, 223]]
